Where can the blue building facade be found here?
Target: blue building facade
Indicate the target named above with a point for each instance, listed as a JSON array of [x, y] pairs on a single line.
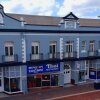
[[39, 51]]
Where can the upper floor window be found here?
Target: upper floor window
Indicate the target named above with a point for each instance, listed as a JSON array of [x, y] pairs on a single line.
[[70, 24], [52, 48], [9, 48], [83, 45], [91, 46], [99, 45], [35, 48], [69, 46], [1, 19]]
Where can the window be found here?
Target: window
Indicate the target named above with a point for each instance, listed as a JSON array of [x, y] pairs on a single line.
[[69, 46], [35, 48], [52, 47], [9, 49], [70, 24], [83, 45], [99, 45], [91, 46], [12, 79], [1, 19]]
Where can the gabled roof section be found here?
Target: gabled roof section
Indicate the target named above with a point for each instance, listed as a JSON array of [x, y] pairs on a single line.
[[54, 21], [36, 19], [70, 16], [1, 7], [89, 22]]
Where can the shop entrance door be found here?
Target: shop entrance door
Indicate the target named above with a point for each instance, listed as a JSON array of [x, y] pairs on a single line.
[[1, 79], [46, 80], [67, 74]]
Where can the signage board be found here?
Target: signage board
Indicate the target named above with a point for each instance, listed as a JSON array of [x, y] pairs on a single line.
[[94, 74], [43, 68]]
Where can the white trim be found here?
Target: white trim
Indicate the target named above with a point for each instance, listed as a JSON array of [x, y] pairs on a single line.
[[23, 50], [56, 34], [13, 92], [20, 79], [75, 70], [10, 33], [77, 47], [61, 48], [65, 34]]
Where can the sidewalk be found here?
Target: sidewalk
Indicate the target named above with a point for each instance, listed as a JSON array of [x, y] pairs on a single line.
[[48, 93]]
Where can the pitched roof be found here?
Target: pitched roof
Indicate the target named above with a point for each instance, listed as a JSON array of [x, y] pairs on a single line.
[[90, 22], [37, 20], [49, 20]]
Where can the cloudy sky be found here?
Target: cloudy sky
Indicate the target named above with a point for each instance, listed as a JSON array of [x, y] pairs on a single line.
[[82, 8]]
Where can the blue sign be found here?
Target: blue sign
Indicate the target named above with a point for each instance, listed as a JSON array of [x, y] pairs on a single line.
[[94, 74], [43, 68]]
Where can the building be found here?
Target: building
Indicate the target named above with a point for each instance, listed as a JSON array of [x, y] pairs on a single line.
[[38, 51]]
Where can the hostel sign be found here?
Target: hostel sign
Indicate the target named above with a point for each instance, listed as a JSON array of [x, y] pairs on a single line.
[[43, 68]]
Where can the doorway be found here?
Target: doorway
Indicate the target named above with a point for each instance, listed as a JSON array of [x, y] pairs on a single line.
[[67, 74]]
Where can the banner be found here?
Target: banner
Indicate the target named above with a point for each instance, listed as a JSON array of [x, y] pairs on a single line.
[[43, 68]]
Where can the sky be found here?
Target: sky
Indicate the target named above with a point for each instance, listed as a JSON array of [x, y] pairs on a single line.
[[81, 8]]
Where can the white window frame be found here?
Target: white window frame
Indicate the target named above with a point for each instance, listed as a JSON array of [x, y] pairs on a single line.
[[91, 45], [53, 43], [69, 45], [35, 44], [83, 46], [9, 44], [70, 24], [99, 46]]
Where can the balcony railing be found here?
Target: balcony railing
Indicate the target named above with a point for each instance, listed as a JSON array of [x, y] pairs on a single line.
[[69, 54], [92, 53], [55, 55], [36, 56], [12, 58]]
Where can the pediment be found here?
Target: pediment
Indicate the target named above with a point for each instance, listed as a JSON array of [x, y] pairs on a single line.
[[71, 16]]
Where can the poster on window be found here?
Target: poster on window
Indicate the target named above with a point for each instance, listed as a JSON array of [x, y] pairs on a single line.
[[94, 74]]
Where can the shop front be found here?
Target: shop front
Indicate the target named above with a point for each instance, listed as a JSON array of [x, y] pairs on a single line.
[[43, 75], [12, 78]]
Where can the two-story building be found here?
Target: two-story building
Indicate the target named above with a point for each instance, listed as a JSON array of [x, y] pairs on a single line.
[[38, 51]]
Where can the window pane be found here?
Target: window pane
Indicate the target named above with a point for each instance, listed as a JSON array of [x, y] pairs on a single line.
[[45, 77], [67, 48], [15, 84], [6, 51], [83, 45], [54, 48], [32, 50], [37, 49], [99, 44], [50, 49], [12, 68], [11, 51], [6, 84]]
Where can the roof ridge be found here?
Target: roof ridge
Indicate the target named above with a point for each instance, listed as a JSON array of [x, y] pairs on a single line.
[[32, 15]]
